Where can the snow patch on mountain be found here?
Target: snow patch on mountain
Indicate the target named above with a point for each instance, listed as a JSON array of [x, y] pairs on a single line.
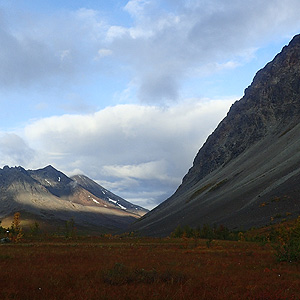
[[113, 201], [95, 201]]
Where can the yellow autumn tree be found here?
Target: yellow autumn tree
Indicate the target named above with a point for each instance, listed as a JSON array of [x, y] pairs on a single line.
[[15, 231]]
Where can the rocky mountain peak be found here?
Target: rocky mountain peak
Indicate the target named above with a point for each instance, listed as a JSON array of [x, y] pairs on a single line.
[[49, 168], [10, 174], [270, 105], [55, 181]]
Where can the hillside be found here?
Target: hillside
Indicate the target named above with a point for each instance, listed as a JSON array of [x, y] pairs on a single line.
[[247, 173], [102, 193], [49, 196]]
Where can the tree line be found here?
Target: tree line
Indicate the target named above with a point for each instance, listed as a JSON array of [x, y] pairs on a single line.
[[206, 232]]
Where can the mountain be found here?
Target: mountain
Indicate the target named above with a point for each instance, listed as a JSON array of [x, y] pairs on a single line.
[[247, 173], [52, 197], [102, 193]]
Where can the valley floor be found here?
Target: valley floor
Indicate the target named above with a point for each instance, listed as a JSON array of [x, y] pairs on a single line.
[[144, 268]]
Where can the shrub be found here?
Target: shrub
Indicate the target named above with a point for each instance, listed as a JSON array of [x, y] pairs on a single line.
[[205, 232], [70, 228], [2, 230], [288, 247], [177, 233], [34, 229]]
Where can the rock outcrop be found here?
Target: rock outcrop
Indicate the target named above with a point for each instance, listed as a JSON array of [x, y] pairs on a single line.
[[270, 105]]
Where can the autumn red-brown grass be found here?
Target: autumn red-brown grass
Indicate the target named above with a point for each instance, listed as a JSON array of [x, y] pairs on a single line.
[[144, 268]]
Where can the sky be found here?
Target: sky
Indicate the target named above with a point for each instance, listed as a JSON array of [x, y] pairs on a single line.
[[126, 92]]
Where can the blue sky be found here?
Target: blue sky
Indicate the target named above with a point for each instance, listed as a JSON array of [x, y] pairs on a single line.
[[126, 92]]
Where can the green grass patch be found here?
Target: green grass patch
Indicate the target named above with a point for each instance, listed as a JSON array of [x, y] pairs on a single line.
[[218, 185], [199, 192]]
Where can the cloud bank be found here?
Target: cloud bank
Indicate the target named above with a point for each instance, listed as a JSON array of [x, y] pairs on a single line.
[[139, 152], [14, 150]]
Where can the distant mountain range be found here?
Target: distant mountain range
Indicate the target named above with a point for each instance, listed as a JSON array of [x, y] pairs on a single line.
[[51, 197], [248, 171]]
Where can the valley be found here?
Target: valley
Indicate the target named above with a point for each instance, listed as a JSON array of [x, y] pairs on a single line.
[[150, 150]]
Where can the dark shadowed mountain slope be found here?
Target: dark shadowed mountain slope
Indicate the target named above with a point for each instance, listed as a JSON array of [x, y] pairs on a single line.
[[50, 195], [248, 171]]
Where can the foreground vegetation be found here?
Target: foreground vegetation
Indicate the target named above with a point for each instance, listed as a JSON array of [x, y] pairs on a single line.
[[144, 268], [41, 266]]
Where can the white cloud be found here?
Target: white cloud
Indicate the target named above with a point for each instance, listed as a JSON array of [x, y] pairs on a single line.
[[104, 52], [136, 7], [14, 150], [145, 170], [48, 49], [114, 32], [131, 149], [168, 41]]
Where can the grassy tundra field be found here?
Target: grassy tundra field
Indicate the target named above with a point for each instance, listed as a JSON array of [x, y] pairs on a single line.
[[144, 268]]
